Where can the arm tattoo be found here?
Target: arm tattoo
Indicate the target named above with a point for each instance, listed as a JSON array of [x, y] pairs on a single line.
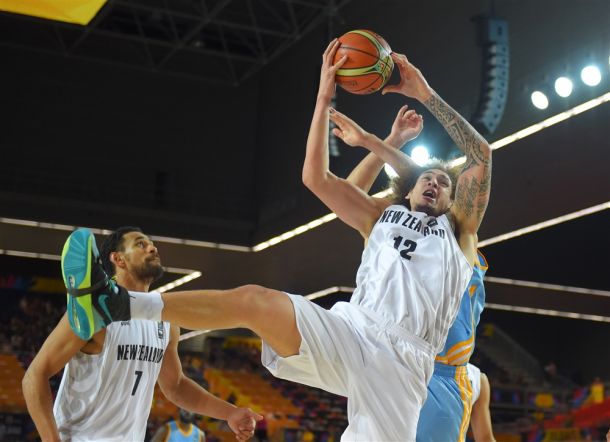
[[473, 189], [463, 134]]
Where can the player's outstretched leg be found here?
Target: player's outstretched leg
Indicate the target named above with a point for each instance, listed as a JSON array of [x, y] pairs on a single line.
[[94, 300]]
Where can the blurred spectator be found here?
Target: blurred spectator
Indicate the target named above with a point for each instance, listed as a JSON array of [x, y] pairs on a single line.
[[597, 392], [180, 430]]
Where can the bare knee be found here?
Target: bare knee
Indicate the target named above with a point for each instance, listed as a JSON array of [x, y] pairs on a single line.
[[257, 301], [270, 314]]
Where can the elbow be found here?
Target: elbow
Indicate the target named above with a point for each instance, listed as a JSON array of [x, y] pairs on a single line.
[[27, 383], [312, 180], [308, 180], [169, 391], [486, 148]]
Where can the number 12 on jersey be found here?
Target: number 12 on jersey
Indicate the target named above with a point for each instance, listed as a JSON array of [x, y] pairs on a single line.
[[404, 247]]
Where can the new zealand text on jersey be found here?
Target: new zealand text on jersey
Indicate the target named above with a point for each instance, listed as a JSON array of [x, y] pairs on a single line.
[[412, 222], [136, 352]]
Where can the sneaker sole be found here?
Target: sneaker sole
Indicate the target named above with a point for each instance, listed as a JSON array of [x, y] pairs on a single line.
[[76, 262]]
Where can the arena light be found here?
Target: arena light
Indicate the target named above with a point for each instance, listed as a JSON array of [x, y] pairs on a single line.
[[493, 306], [546, 312], [539, 100], [294, 232], [591, 75], [545, 286], [190, 274], [563, 86], [35, 255], [99, 231], [329, 291], [389, 171], [545, 224], [420, 155], [523, 133], [562, 116], [192, 334], [178, 282]]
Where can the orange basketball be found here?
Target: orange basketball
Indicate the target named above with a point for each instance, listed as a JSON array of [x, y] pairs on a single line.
[[369, 64]]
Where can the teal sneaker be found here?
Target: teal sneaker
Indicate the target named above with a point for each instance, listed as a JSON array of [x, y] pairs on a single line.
[[94, 300]]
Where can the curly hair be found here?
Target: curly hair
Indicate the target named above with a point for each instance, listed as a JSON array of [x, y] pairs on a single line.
[[401, 186]]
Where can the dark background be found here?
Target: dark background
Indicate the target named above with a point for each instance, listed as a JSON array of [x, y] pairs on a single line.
[[104, 141]]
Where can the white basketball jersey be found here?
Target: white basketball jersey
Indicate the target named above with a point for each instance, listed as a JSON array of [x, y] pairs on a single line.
[[414, 273], [474, 374], [107, 397]]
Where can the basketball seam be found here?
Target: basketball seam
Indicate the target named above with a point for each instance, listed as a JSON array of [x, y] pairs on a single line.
[[382, 72], [360, 50], [372, 38], [383, 67], [368, 85]]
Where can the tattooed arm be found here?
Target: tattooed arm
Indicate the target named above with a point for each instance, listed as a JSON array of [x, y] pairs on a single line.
[[473, 186], [474, 182]]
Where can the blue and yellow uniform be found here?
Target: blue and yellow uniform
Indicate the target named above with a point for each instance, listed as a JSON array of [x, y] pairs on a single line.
[[446, 412], [175, 434]]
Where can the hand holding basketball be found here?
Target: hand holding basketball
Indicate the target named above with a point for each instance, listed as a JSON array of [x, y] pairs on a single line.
[[406, 127], [412, 82], [369, 64], [329, 70], [347, 129]]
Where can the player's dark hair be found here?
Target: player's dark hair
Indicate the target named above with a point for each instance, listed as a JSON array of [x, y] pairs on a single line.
[[114, 243], [401, 186]]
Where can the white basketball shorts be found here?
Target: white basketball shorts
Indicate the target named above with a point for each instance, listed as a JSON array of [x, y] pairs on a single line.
[[380, 367]]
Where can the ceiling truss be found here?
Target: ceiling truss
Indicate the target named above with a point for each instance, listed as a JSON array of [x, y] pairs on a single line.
[[222, 41]]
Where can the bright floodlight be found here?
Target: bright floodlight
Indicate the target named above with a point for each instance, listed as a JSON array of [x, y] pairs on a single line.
[[389, 171], [590, 75], [539, 100], [563, 86], [420, 155]]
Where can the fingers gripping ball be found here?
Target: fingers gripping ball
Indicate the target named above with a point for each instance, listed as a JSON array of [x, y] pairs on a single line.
[[369, 64]]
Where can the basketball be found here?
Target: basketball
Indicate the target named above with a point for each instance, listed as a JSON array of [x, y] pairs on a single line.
[[369, 64]]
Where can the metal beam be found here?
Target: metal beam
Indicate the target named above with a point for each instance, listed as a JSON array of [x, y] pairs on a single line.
[[197, 28]]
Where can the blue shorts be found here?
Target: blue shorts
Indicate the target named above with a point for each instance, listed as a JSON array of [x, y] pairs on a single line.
[[446, 413]]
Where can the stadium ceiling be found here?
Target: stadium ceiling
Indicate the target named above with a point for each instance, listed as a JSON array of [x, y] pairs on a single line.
[[222, 41]]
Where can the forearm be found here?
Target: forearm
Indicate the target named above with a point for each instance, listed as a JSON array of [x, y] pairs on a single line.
[[367, 171], [400, 162], [39, 401], [467, 139], [316, 165], [482, 432], [191, 396]]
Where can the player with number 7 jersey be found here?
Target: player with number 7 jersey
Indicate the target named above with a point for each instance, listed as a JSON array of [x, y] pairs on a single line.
[[110, 375], [125, 372]]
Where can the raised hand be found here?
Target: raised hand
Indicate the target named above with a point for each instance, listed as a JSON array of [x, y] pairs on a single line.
[[242, 422], [412, 82], [347, 129], [406, 127], [327, 74]]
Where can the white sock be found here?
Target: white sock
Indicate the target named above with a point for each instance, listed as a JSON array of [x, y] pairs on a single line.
[[146, 305]]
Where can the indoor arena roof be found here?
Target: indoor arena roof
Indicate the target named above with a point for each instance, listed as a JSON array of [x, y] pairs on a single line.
[[190, 121]]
